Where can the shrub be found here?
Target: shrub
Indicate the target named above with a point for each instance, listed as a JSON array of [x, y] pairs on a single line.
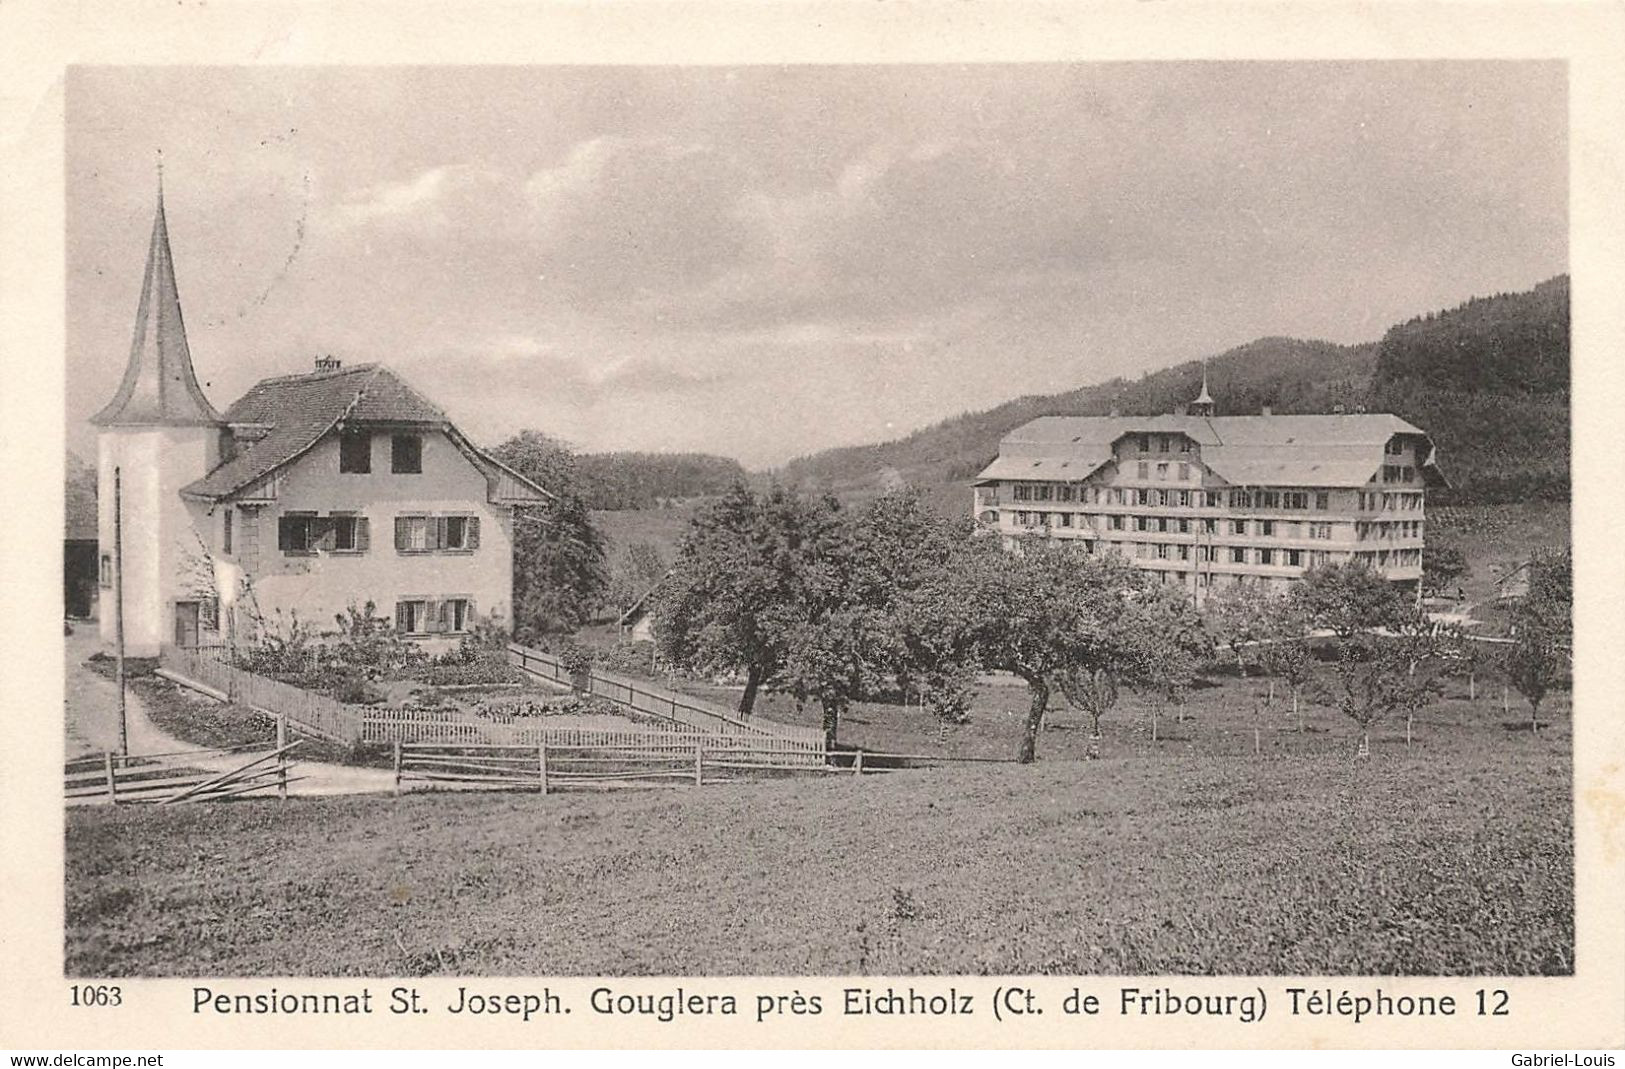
[[577, 660]]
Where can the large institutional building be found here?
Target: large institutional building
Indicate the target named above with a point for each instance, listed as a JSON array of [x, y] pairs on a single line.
[[1207, 501], [312, 493]]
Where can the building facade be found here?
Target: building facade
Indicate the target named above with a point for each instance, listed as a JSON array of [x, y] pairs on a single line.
[[1205, 501], [312, 494]]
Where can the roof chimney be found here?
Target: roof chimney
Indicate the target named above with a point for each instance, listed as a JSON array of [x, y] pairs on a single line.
[[328, 363], [1266, 411]]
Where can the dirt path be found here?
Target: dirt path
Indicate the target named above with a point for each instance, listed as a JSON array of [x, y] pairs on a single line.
[[91, 722]]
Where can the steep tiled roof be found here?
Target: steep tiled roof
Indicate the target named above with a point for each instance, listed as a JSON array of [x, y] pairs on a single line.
[[159, 386], [1311, 450], [297, 411]]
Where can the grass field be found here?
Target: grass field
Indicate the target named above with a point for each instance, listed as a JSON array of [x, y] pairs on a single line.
[[1495, 538], [1453, 856]]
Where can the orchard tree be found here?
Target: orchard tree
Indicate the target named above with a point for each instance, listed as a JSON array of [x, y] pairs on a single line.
[[1163, 647], [1348, 598], [1421, 650], [743, 587], [1237, 617], [906, 560], [559, 571], [1044, 613], [1286, 654], [1369, 683], [1542, 631]]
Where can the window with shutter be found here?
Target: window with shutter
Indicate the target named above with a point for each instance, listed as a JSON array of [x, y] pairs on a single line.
[[323, 534], [293, 533], [344, 533]]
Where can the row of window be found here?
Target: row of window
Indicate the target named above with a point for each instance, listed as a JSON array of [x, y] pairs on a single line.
[[355, 453], [1398, 473], [1299, 500], [1178, 524], [307, 533], [1388, 530], [419, 614], [1184, 551], [1390, 502]]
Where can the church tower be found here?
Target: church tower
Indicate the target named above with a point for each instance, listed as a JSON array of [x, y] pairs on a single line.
[[158, 433], [1203, 405]]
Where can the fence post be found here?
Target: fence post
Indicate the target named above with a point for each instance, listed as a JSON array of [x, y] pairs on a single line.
[[282, 758], [541, 765], [397, 766], [112, 787], [699, 758], [857, 764]]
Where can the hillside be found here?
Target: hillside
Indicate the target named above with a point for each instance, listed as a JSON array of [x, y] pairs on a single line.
[[1489, 380], [650, 480]]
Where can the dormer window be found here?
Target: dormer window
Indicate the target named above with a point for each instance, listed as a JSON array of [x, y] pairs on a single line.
[[355, 452], [406, 454]]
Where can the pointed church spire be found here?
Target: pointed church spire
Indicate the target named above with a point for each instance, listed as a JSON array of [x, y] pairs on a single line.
[[1203, 405], [159, 386]]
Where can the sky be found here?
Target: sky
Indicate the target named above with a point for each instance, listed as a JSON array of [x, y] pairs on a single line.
[[762, 262]]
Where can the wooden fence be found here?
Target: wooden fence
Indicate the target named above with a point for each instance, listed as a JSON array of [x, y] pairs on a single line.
[[447, 727], [652, 700], [179, 776], [311, 713], [548, 767]]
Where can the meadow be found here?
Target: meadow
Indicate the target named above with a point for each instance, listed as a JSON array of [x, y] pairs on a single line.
[[1452, 855]]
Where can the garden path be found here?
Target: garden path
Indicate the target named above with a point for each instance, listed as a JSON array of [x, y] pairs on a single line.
[[91, 720]]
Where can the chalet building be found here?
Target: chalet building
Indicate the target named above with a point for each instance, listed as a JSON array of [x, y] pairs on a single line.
[[312, 493], [1206, 501]]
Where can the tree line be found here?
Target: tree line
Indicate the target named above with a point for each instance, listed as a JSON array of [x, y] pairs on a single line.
[[834, 606]]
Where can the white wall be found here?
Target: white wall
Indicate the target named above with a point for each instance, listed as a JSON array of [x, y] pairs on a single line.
[[321, 586], [158, 538]]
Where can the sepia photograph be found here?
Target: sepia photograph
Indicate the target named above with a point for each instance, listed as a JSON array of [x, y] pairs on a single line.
[[1077, 519]]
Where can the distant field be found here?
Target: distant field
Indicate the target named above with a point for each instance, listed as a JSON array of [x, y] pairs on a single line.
[[1497, 537], [662, 527], [1452, 856]]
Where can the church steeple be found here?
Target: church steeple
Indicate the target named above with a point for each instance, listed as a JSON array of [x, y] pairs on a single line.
[[159, 387], [1203, 405]]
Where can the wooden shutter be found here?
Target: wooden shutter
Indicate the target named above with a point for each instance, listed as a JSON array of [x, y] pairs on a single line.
[[437, 532], [472, 532], [400, 606], [363, 536], [402, 528], [432, 621]]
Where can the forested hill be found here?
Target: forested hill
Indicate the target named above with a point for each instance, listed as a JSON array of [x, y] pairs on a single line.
[[647, 480], [1488, 380], [1288, 374]]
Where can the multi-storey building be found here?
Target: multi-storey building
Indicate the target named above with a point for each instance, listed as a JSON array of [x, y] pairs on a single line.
[[311, 494], [1206, 501]]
